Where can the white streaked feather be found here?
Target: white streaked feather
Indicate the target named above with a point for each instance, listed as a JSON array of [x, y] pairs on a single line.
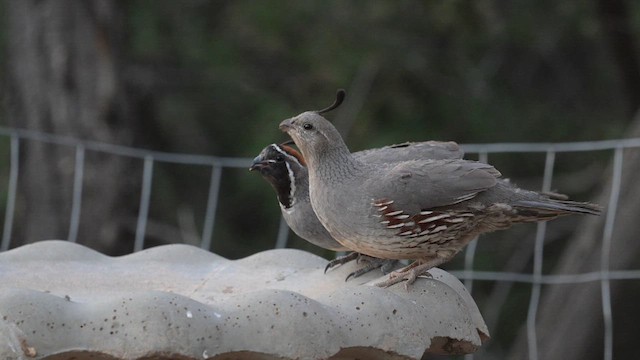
[[434, 218]]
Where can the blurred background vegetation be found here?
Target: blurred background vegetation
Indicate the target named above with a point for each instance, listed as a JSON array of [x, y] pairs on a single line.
[[216, 77]]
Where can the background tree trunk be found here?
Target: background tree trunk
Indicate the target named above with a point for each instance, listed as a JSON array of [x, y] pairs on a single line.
[[570, 322], [63, 78]]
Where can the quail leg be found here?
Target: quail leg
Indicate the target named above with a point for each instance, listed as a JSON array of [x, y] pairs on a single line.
[[340, 260], [411, 272], [385, 265]]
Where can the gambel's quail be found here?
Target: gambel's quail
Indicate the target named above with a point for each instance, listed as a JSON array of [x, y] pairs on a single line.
[[284, 168], [425, 210]]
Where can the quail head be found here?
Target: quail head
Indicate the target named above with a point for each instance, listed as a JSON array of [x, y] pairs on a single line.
[[425, 210], [284, 168]]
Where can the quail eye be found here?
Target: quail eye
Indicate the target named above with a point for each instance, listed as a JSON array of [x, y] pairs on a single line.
[[279, 158], [307, 126]]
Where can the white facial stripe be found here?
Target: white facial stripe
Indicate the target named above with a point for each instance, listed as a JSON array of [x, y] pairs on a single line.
[[279, 149], [292, 182]]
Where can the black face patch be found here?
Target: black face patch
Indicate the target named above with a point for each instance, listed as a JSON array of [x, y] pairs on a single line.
[[278, 171]]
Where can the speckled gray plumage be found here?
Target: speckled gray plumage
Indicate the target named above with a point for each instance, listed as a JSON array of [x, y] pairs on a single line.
[[419, 209]]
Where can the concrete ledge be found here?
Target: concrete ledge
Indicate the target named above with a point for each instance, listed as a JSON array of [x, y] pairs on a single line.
[[59, 299]]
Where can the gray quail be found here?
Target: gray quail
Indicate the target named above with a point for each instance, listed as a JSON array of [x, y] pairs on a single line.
[[284, 168], [423, 210]]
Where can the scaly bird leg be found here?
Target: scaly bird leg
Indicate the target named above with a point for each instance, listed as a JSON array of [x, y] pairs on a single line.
[[411, 272], [371, 264]]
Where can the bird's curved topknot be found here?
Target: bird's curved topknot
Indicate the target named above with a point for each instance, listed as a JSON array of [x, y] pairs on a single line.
[[340, 94]]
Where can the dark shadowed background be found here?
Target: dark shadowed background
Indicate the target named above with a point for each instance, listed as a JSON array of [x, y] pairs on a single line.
[[216, 78]]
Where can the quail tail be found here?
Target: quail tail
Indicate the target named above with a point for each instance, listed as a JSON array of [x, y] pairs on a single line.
[[553, 207]]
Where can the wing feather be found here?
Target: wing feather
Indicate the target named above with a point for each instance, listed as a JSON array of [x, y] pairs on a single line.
[[425, 184]]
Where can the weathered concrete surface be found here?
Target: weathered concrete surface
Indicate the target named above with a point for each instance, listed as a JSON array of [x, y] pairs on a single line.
[[61, 300]]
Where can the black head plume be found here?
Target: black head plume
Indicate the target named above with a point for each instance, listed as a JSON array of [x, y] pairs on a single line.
[[340, 94]]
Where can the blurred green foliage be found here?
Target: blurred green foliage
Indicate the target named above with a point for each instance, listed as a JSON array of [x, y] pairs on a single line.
[[476, 72]]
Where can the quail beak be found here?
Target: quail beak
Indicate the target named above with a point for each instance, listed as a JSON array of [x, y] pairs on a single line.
[[258, 165], [286, 125]]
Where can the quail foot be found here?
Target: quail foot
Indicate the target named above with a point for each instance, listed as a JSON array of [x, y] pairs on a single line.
[[422, 210], [285, 169]]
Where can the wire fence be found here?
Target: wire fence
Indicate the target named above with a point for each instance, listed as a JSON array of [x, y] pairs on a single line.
[[467, 274]]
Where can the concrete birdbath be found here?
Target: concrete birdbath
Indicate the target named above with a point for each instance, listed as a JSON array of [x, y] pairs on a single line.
[[61, 300]]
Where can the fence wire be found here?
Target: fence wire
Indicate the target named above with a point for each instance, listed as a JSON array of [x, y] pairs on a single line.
[[468, 274]]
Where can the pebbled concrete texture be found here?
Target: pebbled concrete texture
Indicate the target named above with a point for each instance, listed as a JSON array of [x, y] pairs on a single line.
[[62, 300]]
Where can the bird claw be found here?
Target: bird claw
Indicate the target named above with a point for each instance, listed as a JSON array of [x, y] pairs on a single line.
[[385, 265], [340, 260]]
